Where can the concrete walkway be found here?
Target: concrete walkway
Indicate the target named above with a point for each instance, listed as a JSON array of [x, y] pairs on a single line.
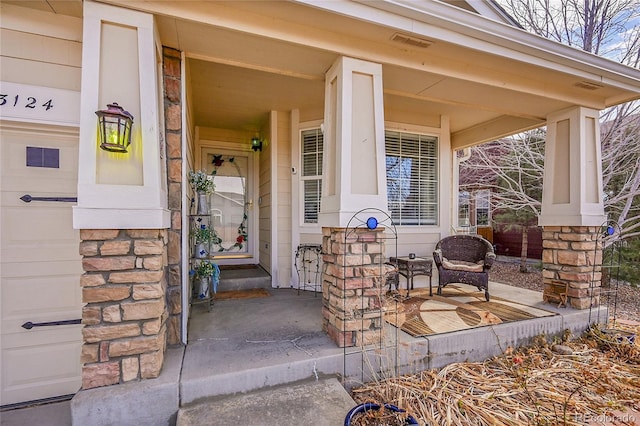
[[320, 403]]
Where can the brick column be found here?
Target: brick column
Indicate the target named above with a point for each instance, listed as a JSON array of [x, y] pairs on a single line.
[[123, 287], [569, 254], [173, 130], [351, 285]]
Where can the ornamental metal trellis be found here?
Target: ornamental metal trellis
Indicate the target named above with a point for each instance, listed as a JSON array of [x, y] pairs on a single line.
[[366, 362], [608, 240]]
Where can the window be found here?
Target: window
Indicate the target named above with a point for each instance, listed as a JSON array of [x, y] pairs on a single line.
[[311, 173], [482, 207], [463, 209], [412, 178]]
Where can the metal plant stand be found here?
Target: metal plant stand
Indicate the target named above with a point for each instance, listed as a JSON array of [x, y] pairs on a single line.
[[307, 264]]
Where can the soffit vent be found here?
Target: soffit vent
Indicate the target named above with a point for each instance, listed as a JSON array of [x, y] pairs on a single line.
[[411, 41], [587, 85]]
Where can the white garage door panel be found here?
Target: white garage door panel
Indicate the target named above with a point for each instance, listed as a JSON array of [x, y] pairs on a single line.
[[27, 236], [31, 373], [40, 267], [18, 176], [38, 299]]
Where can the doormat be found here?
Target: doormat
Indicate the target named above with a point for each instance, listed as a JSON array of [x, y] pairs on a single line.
[[421, 315], [242, 294]]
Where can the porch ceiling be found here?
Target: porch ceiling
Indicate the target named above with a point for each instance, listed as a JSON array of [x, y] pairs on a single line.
[[246, 58]]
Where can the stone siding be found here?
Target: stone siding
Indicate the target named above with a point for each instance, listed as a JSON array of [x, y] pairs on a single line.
[[173, 130], [568, 257], [123, 287], [351, 285]]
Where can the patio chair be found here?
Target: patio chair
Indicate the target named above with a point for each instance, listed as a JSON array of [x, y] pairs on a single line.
[[464, 259]]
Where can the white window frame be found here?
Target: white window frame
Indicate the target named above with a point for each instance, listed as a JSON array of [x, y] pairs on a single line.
[[442, 163], [438, 162], [318, 177]]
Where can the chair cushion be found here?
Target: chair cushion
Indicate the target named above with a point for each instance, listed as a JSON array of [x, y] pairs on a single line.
[[461, 265]]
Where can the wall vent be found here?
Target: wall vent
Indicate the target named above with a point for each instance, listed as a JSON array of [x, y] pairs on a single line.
[[587, 85], [411, 41]]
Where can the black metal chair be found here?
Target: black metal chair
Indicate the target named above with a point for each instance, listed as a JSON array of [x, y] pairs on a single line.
[[464, 259]]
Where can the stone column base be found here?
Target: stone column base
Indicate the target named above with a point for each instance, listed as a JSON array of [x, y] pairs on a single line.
[[568, 257]]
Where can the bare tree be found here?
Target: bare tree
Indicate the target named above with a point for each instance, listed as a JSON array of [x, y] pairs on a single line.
[[512, 168], [603, 27]]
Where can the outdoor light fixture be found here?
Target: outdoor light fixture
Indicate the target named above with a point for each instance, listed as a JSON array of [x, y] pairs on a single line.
[[114, 128], [256, 144]]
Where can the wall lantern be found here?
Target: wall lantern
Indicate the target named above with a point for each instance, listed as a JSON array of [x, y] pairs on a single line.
[[114, 128], [256, 144]]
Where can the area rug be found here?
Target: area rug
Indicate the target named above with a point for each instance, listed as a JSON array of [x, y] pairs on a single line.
[[457, 309], [241, 294]]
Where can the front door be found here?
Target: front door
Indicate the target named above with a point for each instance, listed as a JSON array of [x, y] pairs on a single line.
[[40, 266], [231, 205]]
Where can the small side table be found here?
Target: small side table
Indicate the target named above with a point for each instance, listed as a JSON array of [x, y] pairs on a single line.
[[410, 268]]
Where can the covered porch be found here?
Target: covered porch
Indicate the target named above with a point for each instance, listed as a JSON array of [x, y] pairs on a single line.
[[249, 346]]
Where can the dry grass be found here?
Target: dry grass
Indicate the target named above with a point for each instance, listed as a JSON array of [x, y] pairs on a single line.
[[534, 385]]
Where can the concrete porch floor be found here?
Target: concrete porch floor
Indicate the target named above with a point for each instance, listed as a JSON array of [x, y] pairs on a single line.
[[258, 350]]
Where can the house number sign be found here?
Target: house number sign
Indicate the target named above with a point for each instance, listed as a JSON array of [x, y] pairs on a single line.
[[38, 104]]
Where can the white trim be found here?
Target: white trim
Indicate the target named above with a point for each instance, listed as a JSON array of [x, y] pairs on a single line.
[[65, 110], [304, 227], [184, 210], [273, 145], [296, 128], [119, 218]]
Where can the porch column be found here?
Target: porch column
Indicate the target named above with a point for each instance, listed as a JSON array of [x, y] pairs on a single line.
[[572, 206], [122, 201], [354, 179], [354, 158]]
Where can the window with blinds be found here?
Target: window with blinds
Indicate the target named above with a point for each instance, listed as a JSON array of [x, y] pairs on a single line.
[[311, 173], [412, 178]]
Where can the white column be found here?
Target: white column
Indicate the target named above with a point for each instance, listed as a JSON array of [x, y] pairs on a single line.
[[354, 157], [120, 63], [572, 193]]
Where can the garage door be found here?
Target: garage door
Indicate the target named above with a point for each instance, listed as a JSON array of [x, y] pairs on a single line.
[[40, 266]]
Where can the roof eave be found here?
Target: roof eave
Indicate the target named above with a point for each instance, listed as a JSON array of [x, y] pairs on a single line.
[[488, 35]]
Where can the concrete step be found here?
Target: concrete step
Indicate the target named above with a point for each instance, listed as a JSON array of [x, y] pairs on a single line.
[[243, 278], [318, 402]]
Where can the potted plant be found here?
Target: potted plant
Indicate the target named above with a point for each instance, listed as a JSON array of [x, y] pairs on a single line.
[[203, 186], [204, 270], [202, 238]]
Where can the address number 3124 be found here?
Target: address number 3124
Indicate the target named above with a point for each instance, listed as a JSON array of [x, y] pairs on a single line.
[[26, 101]]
